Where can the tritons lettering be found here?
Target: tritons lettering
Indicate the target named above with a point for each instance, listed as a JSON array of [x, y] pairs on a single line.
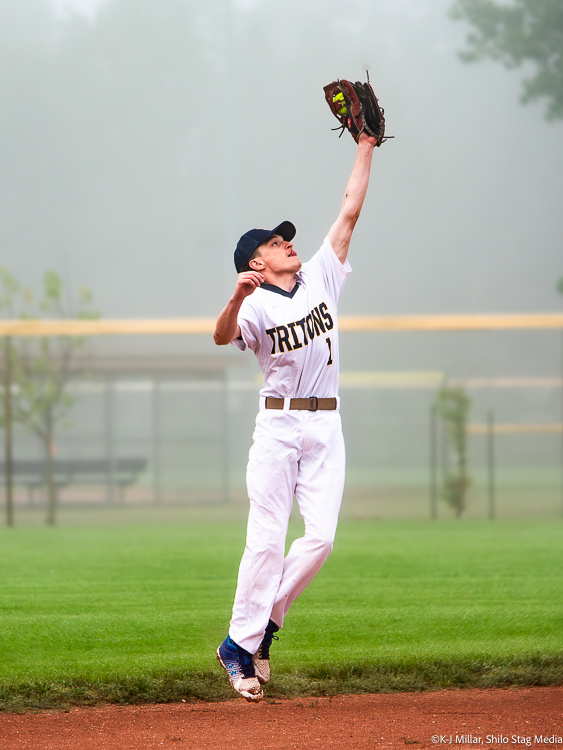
[[296, 335]]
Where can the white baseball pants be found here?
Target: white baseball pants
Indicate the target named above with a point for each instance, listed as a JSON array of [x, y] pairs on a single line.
[[294, 452]]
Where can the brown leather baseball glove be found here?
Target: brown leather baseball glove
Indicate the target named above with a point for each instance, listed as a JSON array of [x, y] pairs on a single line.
[[357, 109]]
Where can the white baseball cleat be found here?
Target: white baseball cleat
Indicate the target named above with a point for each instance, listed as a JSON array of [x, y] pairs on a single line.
[[239, 666], [261, 658]]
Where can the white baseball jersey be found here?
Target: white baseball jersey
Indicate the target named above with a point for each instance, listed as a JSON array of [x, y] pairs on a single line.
[[294, 334]]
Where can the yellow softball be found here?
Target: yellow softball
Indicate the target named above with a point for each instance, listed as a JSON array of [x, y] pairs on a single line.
[[340, 98]]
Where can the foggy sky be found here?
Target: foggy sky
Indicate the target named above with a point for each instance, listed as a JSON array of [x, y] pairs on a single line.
[[140, 140]]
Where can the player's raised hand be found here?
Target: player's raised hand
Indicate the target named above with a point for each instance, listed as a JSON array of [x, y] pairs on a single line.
[[367, 138], [248, 282]]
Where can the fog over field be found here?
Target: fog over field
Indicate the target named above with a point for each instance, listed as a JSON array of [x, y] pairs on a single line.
[[139, 139]]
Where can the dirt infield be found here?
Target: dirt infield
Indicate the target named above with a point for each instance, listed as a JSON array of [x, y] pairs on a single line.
[[529, 717]]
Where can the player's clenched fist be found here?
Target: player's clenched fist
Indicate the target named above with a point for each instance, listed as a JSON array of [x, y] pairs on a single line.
[[248, 282], [227, 327]]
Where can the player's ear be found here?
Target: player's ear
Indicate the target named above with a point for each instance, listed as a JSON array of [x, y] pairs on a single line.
[[256, 264]]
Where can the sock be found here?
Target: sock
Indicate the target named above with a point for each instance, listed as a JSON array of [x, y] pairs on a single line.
[[241, 651]]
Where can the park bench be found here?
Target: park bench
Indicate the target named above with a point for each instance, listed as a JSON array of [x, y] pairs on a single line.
[[120, 472]]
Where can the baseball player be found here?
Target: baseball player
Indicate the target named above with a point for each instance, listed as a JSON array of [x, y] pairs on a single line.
[[286, 312]]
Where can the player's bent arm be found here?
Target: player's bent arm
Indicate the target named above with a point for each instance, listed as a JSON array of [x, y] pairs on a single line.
[[227, 328], [340, 233]]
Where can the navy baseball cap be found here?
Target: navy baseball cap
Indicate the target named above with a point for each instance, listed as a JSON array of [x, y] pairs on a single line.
[[254, 237]]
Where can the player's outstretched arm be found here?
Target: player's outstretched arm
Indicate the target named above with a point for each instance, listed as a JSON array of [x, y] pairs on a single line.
[[227, 328], [341, 231]]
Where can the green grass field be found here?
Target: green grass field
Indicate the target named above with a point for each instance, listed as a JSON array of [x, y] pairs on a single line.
[[134, 613]]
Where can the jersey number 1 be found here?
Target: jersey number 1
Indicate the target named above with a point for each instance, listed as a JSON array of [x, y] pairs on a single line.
[[329, 352]]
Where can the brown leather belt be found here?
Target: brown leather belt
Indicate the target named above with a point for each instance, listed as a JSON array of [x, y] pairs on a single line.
[[309, 404]]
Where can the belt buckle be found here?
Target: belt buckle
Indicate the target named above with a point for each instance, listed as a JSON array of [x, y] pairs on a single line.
[[314, 403]]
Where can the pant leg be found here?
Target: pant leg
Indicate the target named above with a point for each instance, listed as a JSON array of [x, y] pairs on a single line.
[[319, 487], [271, 478]]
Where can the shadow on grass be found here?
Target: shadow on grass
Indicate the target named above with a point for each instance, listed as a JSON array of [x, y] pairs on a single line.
[[21, 696]]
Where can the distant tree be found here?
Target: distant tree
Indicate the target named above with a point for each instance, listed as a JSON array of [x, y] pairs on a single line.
[[41, 365], [560, 285], [517, 32], [453, 405]]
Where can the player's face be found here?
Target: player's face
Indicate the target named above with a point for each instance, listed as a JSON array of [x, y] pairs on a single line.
[[279, 256]]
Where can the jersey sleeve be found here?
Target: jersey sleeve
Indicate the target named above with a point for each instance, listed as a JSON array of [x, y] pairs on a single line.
[[249, 323], [326, 265]]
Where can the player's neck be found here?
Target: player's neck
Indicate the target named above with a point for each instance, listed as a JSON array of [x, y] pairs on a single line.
[[285, 281]]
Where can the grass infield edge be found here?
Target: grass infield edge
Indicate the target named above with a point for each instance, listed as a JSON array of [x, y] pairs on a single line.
[[21, 696]]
